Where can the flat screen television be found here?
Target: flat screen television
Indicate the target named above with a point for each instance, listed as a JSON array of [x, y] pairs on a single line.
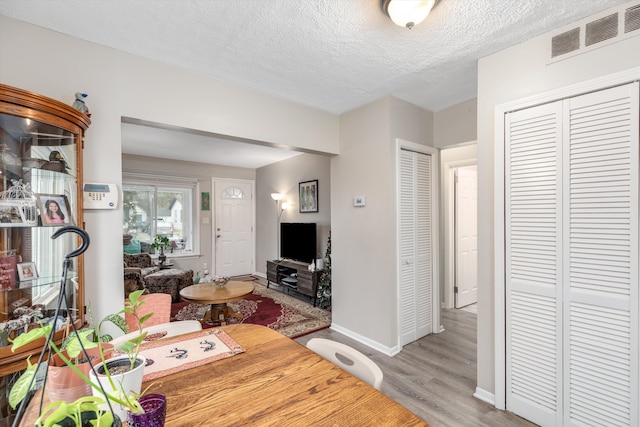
[[298, 241]]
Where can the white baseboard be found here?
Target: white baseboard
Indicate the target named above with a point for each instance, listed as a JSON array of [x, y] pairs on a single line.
[[264, 276], [485, 396], [389, 351]]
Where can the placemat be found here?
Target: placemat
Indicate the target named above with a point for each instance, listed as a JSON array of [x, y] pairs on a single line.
[[175, 354]]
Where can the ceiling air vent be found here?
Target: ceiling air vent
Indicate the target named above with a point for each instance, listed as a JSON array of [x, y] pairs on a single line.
[[602, 29], [632, 19], [565, 42]]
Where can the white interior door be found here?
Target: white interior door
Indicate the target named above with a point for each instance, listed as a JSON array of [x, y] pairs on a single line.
[[416, 263], [466, 236], [600, 274], [234, 236]]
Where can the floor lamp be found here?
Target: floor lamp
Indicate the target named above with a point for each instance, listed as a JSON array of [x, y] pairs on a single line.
[[279, 209]]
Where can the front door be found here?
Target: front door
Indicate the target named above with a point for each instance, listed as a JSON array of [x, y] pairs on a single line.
[[233, 231]]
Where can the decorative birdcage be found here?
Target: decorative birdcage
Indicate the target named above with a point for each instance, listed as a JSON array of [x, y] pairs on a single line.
[[18, 206]]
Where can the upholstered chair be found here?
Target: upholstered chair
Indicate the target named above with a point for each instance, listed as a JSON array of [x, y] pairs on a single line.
[[136, 268], [158, 304]]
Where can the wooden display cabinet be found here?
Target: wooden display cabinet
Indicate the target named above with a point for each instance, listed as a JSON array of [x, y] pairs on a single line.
[[41, 143]]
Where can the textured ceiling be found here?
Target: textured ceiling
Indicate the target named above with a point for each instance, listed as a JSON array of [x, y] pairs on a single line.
[[334, 55]]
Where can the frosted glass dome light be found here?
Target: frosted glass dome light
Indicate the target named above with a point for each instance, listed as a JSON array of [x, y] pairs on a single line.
[[408, 13]]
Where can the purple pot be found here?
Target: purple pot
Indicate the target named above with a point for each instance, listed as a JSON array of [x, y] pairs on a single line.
[[155, 410]]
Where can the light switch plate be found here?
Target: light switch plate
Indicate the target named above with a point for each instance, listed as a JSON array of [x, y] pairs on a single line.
[[359, 201]]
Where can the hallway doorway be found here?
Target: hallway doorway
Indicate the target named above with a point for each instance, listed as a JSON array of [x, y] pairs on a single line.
[[459, 212]]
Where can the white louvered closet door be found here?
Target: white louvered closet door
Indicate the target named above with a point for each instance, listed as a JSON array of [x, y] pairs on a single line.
[[600, 299], [572, 260], [533, 273], [415, 261]]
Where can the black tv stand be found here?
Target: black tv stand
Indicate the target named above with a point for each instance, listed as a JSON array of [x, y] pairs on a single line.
[[294, 275]]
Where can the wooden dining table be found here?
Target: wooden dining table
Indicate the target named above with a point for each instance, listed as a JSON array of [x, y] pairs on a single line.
[[274, 382]]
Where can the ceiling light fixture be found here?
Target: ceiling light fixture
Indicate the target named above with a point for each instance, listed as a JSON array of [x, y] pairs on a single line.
[[408, 13]]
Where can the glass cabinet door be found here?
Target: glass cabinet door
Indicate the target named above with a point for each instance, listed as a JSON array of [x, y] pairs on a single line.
[[38, 193], [40, 179]]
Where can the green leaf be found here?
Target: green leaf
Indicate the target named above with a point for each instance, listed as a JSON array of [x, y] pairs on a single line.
[[70, 338], [139, 339], [127, 347], [30, 336], [135, 296], [118, 321], [74, 348], [145, 317], [21, 387], [106, 338]]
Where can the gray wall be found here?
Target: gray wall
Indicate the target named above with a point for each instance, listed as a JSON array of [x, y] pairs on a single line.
[[456, 124], [364, 239], [283, 177]]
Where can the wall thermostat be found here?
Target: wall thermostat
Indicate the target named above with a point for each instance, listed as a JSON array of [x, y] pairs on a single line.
[[100, 196], [359, 201]]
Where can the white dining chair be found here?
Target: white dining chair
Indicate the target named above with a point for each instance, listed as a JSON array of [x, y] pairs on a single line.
[[349, 359]]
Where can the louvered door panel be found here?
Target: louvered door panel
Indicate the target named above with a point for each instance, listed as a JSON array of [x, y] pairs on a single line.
[[407, 244], [424, 273], [601, 278], [533, 240], [416, 240]]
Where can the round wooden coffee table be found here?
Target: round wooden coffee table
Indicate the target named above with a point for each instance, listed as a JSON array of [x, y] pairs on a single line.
[[208, 293]]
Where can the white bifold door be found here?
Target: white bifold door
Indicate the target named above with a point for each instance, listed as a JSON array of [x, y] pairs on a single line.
[[416, 242], [571, 184]]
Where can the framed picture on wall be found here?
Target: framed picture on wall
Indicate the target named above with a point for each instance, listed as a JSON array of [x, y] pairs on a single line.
[[205, 201], [54, 209], [308, 193]]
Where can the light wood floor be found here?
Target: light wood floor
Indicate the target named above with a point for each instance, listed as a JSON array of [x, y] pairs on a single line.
[[435, 377]]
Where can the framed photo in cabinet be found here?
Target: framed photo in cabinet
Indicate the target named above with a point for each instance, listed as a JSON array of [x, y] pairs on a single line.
[[27, 271], [54, 209]]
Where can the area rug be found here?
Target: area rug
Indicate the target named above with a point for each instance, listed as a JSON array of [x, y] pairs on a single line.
[[276, 310]]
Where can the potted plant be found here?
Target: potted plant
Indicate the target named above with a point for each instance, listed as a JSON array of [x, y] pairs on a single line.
[[84, 412], [161, 243], [62, 381], [128, 398], [121, 376], [124, 397]]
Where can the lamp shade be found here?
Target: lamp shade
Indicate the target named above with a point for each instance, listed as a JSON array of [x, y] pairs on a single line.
[[277, 196], [407, 13]]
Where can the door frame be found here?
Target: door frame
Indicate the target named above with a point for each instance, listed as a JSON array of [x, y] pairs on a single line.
[[214, 207], [401, 144], [499, 267]]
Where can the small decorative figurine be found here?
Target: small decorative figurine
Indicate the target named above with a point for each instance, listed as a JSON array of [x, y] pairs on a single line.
[[55, 156], [79, 104]]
